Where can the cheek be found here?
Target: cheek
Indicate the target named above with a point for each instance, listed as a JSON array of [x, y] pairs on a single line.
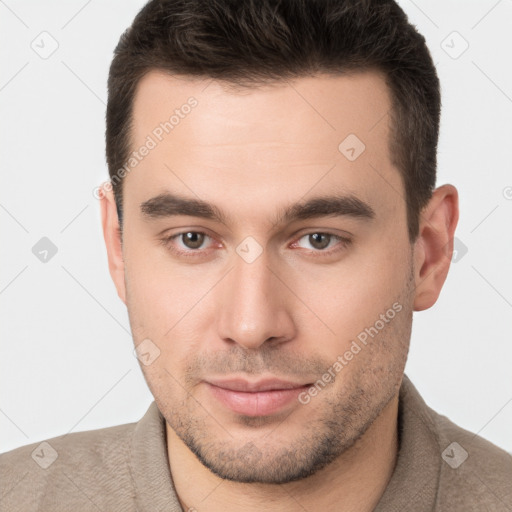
[[353, 294], [158, 292], [168, 304]]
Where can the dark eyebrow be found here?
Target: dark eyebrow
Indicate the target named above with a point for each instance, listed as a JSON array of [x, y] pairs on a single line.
[[324, 206], [167, 205]]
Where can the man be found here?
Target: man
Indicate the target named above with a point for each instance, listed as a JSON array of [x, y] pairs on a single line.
[[272, 224]]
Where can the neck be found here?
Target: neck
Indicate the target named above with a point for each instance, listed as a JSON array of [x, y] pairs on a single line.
[[354, 481]]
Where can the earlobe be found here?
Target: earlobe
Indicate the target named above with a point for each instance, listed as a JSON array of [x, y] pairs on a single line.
[[112, 236], [434, 246]]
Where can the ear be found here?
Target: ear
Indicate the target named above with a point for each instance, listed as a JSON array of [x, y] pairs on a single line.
[[434, 246], [112, 235]]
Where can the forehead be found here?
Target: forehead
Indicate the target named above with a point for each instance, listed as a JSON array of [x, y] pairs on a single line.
[[309, 108], [328, 133]]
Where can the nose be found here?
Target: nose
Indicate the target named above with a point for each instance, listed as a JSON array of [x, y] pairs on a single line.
[[253, 306]]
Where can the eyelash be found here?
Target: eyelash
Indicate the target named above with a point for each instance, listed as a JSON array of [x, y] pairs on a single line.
[[194, 253]]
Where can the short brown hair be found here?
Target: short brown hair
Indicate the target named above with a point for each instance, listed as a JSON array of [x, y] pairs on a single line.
[[247, 43]]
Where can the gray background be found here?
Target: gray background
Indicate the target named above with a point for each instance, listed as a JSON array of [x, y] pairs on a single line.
[[67, 362]]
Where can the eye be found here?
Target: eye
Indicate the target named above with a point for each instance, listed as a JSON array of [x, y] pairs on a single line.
[[186, 243], [192, 239], [320, 241]]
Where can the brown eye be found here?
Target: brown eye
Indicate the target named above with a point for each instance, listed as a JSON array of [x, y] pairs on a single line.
[[189, 244], [322, 244], [319, 240], [192, 239]]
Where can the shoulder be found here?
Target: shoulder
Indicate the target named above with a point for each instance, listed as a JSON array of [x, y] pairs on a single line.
[[468, 473], [70, 471], [474, 471]]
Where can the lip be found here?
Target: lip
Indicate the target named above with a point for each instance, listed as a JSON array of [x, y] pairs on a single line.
[[257, 386], [260, 398]]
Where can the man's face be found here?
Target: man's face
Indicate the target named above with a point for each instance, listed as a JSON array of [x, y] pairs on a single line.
[[240, 307]]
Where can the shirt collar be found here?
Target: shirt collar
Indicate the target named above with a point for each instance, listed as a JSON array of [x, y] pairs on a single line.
[[149, 465], [415, 479]]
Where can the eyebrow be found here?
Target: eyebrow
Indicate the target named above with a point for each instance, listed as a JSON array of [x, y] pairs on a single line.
[[168, 205]]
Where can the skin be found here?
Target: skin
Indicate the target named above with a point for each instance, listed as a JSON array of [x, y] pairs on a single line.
[[293, 310]]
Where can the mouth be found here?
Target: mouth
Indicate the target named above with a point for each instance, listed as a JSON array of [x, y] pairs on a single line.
[[259, 398]]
